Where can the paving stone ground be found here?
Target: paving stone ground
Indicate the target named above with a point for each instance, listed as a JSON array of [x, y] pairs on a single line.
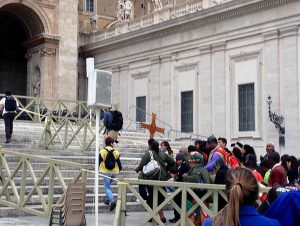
[[105, 219]]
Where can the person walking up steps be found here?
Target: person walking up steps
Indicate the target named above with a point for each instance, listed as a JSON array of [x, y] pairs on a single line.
[[9, 106], [109, 165]]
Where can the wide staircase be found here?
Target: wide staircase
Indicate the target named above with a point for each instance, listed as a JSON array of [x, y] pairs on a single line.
[[26, 136]]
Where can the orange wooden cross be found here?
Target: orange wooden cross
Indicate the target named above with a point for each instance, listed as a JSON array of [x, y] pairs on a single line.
[[152, 127]]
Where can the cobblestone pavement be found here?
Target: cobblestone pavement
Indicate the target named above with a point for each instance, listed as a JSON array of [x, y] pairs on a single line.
[[105, 219]]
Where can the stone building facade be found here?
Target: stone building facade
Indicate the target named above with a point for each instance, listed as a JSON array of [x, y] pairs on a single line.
[[221, 61], [39, 49]]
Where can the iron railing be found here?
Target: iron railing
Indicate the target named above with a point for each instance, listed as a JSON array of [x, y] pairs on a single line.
[[20, 181]]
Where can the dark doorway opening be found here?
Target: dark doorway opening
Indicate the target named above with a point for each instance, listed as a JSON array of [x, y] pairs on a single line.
[[13, 64]]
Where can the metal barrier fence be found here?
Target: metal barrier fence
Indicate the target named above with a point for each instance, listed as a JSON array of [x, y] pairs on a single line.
[[68, 132], [37, 109], [212, 193], [19, 181]]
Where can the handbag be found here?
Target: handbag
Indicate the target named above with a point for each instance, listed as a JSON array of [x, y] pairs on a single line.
[[152, 169]]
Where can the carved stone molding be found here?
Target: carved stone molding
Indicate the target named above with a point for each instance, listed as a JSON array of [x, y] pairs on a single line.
[[124, 67], [289, 31], [218, 47], [155, 60], [271, 35], [116, 69], [46, 51], [165, 58], [205, 49]]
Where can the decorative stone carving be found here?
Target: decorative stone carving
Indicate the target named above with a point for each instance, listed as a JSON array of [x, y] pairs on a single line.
[[157, 4], [46, 51], [94, 22], [128, 9], [121, 11], [36, 83]]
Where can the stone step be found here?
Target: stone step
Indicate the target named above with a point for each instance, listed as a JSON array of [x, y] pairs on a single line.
[[89, 208], [89, 188], [90, 198]]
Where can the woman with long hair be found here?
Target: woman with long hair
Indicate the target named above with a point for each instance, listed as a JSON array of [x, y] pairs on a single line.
[[242, 192], [165, 147]]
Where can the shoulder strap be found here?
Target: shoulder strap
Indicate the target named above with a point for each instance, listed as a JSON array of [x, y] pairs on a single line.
[[112, 150], [158, 158]]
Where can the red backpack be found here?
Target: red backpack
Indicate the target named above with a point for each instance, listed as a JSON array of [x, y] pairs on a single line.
[[230, 160]]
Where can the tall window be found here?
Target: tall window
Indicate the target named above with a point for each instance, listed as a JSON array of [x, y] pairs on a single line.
[[187, 111], [246, 107], [140, 113], [89, 6]]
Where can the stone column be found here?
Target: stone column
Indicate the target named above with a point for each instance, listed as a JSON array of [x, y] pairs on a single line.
[[115, 85], [154, 94], [48, 67], [124, 86], [205, 96], [270, 82], [166, 80], [289, 85], [218, 90]]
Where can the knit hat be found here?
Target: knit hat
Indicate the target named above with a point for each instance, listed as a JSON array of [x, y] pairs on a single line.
[[180, 156], [196, 157]]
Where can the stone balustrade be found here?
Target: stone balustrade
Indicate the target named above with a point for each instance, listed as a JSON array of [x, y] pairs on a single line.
[[157, 16]]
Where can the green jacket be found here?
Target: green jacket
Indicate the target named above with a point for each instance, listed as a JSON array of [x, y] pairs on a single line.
[[193, 175], [166, 162]]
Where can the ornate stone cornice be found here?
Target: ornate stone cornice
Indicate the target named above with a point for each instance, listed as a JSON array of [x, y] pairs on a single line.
[[42, 39]]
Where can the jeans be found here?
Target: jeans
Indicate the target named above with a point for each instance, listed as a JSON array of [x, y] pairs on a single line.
[[8, 121], [107, 182]]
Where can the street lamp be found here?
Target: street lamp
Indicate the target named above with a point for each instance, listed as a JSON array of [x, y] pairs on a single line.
[[277, 120]]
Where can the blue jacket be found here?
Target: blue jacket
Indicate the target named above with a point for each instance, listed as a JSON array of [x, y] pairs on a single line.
[[286, 209], [250, 217]]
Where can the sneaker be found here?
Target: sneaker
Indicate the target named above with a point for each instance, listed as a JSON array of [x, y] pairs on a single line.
[[112, 206], [106, 202]]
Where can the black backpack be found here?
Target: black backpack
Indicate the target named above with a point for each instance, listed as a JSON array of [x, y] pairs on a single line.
[[117, 122], [110, 160], [10, 104]]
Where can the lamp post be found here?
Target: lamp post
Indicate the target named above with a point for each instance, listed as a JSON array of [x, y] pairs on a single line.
[[278, 121]]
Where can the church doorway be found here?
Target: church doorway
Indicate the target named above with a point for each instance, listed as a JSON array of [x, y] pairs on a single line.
[[19, 24]]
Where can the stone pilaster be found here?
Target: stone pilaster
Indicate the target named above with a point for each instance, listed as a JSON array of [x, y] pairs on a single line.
[[154, 93], [205, 103], [289, 86], [166, 86], [218, 90], [48, 65], [115, 85], [124, 88], [270, 82], [67, 76]]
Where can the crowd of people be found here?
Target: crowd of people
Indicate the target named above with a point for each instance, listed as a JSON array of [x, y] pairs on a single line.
[[212, 162]]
